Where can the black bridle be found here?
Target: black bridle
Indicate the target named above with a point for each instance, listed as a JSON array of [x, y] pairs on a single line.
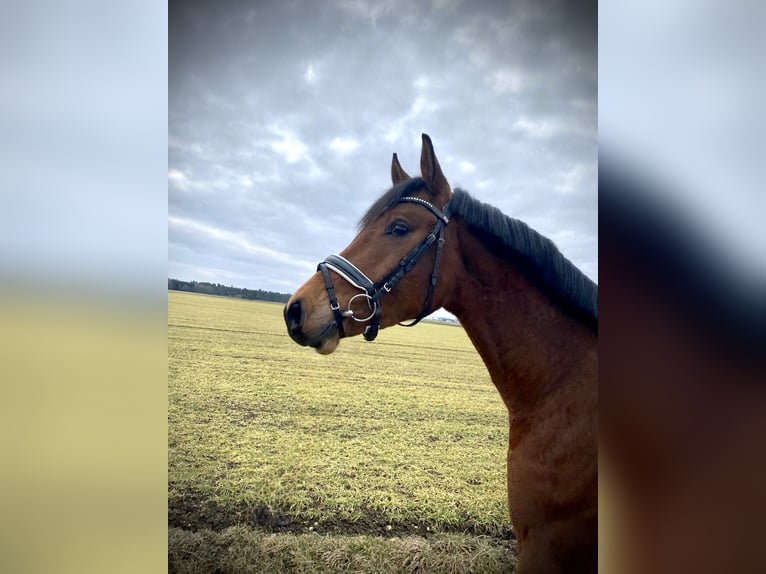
[[374, 291]]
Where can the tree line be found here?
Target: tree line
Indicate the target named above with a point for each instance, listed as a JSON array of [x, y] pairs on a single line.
[[218, 289]]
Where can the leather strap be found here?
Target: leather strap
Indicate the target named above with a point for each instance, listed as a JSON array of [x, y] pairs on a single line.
[[334, 305]]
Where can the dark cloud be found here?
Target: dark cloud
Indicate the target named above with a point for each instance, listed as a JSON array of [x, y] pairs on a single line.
[[283, 117]]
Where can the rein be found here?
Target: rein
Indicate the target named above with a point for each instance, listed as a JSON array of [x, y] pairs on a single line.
[[374, 291]]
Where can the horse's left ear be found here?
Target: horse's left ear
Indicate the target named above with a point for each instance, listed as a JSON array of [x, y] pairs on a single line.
[[431, 171], [398, 175]]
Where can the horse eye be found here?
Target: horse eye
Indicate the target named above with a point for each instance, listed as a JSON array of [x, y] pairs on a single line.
[[398, 229]]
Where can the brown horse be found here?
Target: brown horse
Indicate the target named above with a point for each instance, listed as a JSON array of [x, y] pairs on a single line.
[[530, 314]]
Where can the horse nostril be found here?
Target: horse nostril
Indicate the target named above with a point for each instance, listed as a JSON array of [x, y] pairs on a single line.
[[294, 316]]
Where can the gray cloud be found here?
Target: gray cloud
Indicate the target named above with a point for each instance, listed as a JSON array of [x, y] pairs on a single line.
[[283, 117]]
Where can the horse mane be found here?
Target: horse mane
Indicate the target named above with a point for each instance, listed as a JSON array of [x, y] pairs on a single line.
[[565, 282]]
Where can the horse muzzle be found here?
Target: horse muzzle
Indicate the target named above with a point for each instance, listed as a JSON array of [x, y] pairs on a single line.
[[325, 341]]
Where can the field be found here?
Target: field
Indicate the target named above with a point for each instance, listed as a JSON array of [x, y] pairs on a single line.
[[382, 457]]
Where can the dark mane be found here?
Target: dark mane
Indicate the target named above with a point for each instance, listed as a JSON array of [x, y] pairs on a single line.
[[391, 198], [565, 282]]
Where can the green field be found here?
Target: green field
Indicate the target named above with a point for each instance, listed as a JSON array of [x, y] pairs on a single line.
[[382, 457]]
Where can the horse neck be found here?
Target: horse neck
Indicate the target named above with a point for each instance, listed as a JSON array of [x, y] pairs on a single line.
[[530, 345]]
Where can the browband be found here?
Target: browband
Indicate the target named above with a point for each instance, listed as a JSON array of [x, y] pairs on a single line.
[[436, 211]]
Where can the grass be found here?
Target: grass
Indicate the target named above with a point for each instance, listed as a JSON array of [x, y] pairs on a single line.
[[240, 549], [404, 438]]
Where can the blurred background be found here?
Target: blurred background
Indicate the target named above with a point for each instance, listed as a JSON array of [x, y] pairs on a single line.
[[682, 286], [83, 258]]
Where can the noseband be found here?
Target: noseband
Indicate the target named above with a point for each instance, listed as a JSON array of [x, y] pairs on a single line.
[[374, 291]]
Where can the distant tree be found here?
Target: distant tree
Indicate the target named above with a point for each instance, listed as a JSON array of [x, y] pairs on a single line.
[[226, 291]]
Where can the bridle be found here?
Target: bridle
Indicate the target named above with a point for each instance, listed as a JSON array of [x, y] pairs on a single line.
[[374, 291]]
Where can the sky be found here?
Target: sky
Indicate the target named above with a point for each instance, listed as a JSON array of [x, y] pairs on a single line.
[[283, 117]]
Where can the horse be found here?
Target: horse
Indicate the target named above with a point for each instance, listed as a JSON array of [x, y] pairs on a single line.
[[531, 315]]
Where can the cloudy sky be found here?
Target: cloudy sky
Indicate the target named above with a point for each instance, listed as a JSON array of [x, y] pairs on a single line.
[[283, 117]]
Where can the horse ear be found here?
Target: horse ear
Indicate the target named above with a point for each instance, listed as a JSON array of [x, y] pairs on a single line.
[[398, 175], [430, 169]]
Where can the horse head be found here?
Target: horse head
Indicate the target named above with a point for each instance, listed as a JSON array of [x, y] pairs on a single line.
[[395, 269]]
